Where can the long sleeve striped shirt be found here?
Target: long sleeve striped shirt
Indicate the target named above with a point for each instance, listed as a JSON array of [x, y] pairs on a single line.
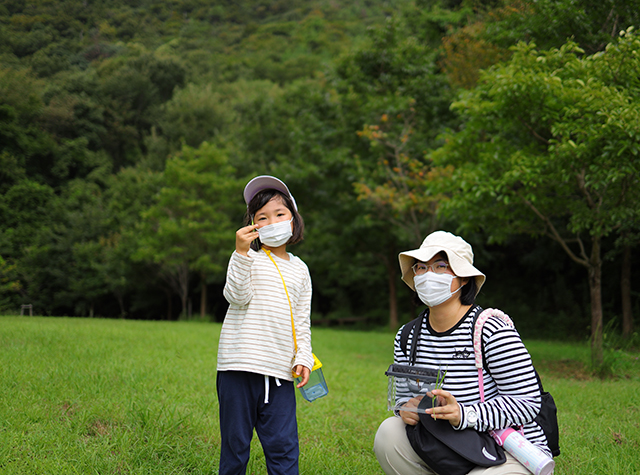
[[511, 391], [256, 334]]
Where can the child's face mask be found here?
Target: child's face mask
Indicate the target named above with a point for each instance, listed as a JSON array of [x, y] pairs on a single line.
[[276, 234]]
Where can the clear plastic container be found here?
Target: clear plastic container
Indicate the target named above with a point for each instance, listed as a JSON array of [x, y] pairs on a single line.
[[316, 387], [407, 382]]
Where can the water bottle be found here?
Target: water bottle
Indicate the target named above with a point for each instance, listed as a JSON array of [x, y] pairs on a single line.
[[534, 459]]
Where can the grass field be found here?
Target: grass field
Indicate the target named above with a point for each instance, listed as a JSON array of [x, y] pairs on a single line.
[[93, 396]]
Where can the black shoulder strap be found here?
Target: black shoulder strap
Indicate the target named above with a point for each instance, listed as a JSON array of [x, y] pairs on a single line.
[[473, 330], [404, 336]]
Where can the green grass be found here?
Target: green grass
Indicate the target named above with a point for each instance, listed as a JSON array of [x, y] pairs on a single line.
[[114, 396]]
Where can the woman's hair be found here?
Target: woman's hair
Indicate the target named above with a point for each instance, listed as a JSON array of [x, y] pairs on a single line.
[[261, 199], [468, 292]]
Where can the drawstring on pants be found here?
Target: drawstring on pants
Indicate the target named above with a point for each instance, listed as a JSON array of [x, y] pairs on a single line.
[[266, 388]]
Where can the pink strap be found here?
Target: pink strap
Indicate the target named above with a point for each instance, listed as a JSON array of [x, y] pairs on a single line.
[[477, 349], [477, 340]]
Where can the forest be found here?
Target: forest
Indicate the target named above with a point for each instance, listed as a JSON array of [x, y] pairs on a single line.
[[129, 129]]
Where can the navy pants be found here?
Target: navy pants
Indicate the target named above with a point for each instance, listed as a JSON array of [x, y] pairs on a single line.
[[241, 397]]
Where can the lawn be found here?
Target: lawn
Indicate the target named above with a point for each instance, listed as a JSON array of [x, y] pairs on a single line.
[[103, 396]]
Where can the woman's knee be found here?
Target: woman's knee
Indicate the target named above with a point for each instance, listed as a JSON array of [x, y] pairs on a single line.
[[388, 433], [394, 452]]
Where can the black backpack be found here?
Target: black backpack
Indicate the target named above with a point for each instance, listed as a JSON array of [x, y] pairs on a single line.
[[547, 418]]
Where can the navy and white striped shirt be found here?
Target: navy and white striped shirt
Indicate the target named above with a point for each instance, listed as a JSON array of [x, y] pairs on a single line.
[[511, 391]]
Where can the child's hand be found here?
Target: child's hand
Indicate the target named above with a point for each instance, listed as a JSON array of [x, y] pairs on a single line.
[[303, 372], [244, 237]]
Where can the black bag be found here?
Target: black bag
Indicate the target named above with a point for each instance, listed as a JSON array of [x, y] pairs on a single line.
[[547, 418], [451, 452]]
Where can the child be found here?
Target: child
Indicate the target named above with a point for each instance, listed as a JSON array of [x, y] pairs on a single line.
[[256, 354]]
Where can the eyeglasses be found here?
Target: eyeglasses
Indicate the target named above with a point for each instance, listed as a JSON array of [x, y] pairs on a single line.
[[439, 267]]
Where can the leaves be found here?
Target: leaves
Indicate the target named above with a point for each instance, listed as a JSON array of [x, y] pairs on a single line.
[[544, 152], [188, 228]]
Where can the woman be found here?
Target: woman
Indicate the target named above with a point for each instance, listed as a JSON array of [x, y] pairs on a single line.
[[441, 271]]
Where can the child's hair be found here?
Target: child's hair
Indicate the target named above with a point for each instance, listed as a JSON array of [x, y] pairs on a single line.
[[261, 199]]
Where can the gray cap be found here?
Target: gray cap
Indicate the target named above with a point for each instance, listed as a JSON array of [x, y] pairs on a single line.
[[266, 182]]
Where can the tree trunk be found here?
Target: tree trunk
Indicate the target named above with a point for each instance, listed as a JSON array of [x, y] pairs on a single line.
[[183, 284], [169, 305], [595, 291], [177, 278], [625, 288], [203, 296], [120, 298], [185, 309], [393, 301], [392, 274]]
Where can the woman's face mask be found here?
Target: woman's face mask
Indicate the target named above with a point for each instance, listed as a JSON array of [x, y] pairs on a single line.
[[276, 234], [434, 289]]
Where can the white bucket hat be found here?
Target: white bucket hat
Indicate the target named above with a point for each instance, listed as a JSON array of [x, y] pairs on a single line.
[[457, 249], [266, 182]]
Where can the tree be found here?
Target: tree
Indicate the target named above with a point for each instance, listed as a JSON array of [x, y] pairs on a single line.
[[9, 284], [396, 189], [87, 88], [628, 238], [466, 52], [195, 114], [550, 146], [487, 31], [129, 193], [550, 23], [396, 90], [190, 225]]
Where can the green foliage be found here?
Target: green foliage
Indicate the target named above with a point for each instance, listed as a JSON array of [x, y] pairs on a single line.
[[404, 105], [25, 208], [187, 227], [550, 146], [194, 115], [550, 23], [541, 139], [9, 284], [342, 100]]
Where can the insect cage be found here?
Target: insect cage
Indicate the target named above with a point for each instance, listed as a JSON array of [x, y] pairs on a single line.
[[407, 382]]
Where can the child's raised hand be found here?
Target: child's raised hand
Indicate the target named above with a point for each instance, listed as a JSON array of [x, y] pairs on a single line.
[[244, 237]]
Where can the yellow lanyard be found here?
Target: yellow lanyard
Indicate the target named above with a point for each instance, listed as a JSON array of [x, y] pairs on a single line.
[[293, 328]]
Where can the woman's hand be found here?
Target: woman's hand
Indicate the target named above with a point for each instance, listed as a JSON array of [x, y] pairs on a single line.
[[244, 237], [303, 372], [409, 417], [447, 407]]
